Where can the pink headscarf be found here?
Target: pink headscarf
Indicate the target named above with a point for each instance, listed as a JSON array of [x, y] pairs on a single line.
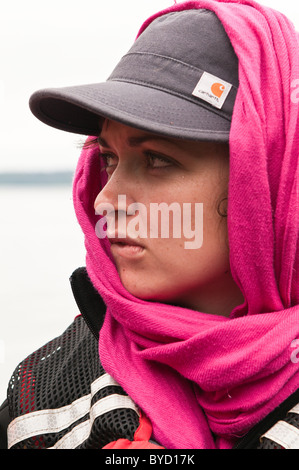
[[193, 373]]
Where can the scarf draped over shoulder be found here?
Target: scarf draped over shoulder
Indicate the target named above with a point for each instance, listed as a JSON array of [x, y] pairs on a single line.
[[204, 380]]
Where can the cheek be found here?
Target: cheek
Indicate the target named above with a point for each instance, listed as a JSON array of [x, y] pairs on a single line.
[[215, 242], [171, 271], [174, 265], [199, 257]]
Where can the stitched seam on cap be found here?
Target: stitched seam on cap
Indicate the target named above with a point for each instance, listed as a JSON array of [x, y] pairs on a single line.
[[171, 127], [196, 69], [223, 114]]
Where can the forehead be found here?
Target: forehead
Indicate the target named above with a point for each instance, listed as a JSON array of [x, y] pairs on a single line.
[[133, 135], [113, 131]]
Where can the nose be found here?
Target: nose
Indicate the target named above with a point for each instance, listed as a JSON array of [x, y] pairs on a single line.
[[110, 206], [109, 195], [113, 201], [122, 189], [106, 197]]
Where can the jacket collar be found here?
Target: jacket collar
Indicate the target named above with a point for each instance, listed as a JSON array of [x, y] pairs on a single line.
[[89, 301]]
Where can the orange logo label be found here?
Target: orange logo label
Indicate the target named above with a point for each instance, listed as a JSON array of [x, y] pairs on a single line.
[[212, 89], [217, 89]]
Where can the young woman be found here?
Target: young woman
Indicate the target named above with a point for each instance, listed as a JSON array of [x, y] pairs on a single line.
[[189, 339]]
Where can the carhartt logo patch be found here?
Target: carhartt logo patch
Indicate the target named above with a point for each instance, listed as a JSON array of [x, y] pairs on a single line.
[[212, 89]]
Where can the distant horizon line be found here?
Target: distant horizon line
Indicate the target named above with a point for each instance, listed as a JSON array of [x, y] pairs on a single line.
[[39, 177]]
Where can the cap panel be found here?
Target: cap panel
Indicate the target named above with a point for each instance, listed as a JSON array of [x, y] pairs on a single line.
[[195, 37], [156, 86]]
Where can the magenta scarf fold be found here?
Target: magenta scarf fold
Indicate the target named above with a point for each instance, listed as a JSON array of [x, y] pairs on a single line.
[[204, 380]]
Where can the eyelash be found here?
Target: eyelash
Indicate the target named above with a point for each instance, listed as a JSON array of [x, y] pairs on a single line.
[[94, 143], [150, 156], [104, 157], [159, 158]]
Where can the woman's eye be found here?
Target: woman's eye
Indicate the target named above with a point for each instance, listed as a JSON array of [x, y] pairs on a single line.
[[157, 161], [154, 161], [109, 160]]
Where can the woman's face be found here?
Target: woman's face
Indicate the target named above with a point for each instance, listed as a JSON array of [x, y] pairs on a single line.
[[147, 169]]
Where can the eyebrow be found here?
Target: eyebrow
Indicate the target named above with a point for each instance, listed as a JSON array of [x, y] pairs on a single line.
[[135, 141]]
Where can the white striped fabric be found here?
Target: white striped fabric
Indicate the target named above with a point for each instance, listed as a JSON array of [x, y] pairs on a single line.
[[81, 432], [284, 434], [295, 409], [54, 420]]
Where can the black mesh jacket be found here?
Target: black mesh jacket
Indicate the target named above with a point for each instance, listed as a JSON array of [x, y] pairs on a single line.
[[61, 397]]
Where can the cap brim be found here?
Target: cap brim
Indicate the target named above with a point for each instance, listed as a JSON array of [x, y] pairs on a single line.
[[79, 109]]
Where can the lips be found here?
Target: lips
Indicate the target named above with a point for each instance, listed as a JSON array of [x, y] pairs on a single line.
[[124, 241], [126, 247]]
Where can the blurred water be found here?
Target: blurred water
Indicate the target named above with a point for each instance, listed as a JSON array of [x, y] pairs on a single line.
[[41, 244]]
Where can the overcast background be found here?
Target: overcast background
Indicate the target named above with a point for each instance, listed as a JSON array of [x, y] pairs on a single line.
[[51, 44], [62, 43]]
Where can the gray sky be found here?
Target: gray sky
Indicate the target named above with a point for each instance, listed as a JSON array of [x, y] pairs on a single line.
[[62, 43]]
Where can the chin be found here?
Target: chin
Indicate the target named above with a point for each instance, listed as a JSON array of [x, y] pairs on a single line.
[[143, 292]]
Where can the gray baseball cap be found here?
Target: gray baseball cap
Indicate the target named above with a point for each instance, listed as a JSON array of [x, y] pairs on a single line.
[[179, 79]]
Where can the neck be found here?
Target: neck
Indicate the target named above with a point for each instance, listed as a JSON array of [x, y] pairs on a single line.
[[218, 298]]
